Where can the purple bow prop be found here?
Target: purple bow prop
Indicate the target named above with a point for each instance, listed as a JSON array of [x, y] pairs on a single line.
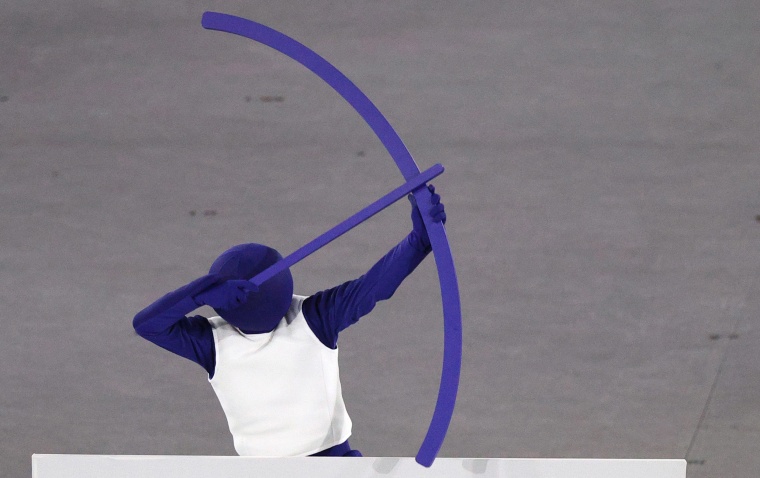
[[415, 183]]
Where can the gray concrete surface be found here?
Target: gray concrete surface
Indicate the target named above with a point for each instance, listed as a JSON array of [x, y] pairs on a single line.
[[602, 189]]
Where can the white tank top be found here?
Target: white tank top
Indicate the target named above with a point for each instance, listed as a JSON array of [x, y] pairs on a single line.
[[280, 391]]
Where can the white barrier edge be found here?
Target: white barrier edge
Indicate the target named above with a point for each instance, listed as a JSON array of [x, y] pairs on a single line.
[[167, 466]]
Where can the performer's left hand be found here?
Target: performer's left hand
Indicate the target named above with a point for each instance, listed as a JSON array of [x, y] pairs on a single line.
[[435, 209], [228, 294]]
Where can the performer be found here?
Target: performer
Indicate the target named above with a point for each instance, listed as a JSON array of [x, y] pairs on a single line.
[[272, 356]]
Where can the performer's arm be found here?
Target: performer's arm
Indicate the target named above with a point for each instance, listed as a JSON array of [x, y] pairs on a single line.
[[164, 323], [330, 311]]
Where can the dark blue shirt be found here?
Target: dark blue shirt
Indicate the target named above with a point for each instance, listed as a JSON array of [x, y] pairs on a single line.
[[327, 312]]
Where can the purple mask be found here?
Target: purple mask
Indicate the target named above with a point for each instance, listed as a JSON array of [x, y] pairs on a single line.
[[266, 307]]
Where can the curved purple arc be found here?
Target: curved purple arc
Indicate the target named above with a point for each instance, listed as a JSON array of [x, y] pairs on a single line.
[[452, 348]]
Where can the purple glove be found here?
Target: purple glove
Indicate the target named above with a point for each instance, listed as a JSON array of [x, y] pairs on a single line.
[[436, 211], [227, 295]]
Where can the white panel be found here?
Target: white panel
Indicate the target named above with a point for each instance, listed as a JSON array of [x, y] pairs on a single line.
[[146, 466]]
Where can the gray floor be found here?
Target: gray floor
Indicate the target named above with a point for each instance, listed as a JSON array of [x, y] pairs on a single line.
[[602, 189]]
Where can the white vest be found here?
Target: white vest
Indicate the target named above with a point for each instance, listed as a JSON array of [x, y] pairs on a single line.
[[280, 391]]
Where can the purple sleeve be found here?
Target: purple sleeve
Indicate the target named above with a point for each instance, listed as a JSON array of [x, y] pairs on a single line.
[[332, 310], [164, 323]]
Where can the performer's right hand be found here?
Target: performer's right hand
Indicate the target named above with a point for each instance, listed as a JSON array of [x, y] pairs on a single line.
[[227, 295]]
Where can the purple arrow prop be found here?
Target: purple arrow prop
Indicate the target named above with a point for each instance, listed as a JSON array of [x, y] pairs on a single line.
[[452, 314], [347, 225]]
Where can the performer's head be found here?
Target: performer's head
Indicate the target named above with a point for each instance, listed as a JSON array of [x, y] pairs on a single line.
[[266, 307]]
